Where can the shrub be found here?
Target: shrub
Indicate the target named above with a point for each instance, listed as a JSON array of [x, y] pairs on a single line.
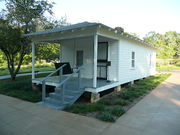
[[110, 102], [121, 102], [117, 111], [106, 116], [84, 109]]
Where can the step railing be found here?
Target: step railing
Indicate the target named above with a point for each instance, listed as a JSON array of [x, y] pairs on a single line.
[[60, 69], [63, 83]]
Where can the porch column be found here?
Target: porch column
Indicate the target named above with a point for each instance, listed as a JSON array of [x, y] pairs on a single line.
[[33, 60], [95, 61]]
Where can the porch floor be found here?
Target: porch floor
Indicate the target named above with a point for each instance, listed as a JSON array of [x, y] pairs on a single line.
[[86, 84]]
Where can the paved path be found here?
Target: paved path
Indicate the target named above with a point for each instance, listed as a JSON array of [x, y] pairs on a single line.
[[23, 74], [157, 114]]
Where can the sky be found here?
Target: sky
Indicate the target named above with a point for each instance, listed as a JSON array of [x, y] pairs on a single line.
[[135, 16]]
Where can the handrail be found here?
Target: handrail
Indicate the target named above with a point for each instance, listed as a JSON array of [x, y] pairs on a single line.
[[69, 76], [53, 72], [43, 81]]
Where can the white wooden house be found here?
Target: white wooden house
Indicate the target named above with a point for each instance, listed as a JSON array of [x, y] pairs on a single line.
[[108, 58]]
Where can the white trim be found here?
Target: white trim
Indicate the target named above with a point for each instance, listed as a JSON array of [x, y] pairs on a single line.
[[60, 52], [103, 88], [107, 36], [95, 61], [33, 60], [119, 57], [58, 39]]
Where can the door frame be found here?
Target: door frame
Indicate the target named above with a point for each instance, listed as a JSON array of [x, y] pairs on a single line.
[[103, 60]]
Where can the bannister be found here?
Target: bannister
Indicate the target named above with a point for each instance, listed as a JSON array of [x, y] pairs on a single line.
[[62, 84], [44, 81]]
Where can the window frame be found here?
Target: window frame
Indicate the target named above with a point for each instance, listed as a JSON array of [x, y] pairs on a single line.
[[133, 60]]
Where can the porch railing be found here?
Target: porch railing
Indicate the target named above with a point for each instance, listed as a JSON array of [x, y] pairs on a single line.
[[44, 80], [63, 83]]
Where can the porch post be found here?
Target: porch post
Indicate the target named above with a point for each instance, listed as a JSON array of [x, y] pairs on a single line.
[[95, 61], [33, 60]]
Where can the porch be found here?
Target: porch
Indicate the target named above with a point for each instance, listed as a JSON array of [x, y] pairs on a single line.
[[80, 46], [86, 84]]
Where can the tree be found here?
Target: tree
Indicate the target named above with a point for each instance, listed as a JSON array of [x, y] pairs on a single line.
[[47, 51], [43, 49], [11, 44], [169, 43], [172, 40], [27, 13], [1, 58], [23, 15]]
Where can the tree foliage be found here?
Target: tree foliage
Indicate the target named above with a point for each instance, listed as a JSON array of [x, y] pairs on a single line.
[[27, 13], [12, 45], [21, 17], [169, 43], [50, 51]]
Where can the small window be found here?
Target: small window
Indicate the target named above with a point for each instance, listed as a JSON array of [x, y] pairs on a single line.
[[133, 59], [79, 58]]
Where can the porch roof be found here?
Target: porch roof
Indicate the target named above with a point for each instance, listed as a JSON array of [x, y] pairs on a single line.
[[66, 28], [84, 25]]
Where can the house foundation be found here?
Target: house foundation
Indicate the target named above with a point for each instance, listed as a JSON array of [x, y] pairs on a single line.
[[34, 87], [117, 88], [132, 82], [95, 97]]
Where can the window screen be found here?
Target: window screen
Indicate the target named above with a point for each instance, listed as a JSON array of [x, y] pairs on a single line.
[[79, 58]]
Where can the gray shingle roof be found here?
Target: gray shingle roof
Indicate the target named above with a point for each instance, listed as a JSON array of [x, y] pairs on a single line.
[[69, 27], [87, 24]]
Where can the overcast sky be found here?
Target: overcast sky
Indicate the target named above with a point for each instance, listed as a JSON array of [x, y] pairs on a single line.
[[136, 16]]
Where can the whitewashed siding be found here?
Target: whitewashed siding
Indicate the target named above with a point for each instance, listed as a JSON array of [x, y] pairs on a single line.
[[113, 56], [67, 51], [142, 64], [69, 48], [120, 55]]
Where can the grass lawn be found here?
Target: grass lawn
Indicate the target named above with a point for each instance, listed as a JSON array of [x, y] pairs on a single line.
[[20, 88], [27, 68], [115, 104], [168, 67]]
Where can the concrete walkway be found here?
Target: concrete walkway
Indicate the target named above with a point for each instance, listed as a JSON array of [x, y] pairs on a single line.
[[23, 74], [157, 114]]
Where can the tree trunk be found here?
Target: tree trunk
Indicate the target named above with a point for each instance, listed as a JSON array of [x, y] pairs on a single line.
[[13, 77]]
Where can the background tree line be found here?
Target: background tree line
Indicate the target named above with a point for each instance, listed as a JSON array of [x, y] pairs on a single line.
[[168, 43]]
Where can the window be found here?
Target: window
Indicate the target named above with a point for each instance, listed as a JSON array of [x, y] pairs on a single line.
[[79, 58], [150, 60], [133, 59]]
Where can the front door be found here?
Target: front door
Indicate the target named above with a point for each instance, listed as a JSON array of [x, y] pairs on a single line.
[[102, 60]]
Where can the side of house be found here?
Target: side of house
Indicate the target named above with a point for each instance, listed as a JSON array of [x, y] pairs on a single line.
[[136, 61], [129, 59]]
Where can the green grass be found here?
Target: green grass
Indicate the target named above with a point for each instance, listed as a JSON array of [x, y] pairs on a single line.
[[112, 107], [27, 68], [85, 108], [106, 116], [168, 67], [20, 88]]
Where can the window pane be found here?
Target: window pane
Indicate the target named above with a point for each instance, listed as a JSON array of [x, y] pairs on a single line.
[[133, 63], [133, 55]]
